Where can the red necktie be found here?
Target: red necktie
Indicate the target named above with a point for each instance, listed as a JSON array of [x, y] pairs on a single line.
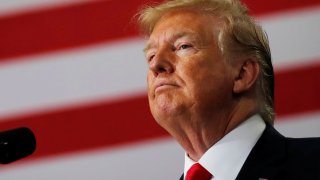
[[197, 172]]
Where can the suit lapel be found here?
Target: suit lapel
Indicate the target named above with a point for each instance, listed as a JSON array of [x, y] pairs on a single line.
[[266, 160], [181, 178]]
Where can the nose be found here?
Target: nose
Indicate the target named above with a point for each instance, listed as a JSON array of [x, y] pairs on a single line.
[[161, 63]]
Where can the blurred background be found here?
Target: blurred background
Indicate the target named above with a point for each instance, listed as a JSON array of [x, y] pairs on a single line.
[[74, 72]]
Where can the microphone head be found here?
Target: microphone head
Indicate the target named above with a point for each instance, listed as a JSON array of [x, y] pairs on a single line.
[[16, 144]]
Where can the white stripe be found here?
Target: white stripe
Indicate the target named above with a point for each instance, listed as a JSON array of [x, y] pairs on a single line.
[[294, 37], [302, 125], [157, 160], [73, 77]]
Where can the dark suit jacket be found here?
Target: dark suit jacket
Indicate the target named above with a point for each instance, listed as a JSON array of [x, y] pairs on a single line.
[[276, 157]]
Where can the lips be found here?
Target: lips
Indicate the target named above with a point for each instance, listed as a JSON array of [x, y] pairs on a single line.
[[164, 84]]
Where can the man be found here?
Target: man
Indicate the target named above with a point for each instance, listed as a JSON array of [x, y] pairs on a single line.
[[210, 85]]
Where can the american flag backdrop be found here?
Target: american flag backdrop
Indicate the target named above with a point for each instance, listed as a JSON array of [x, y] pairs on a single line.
[[74, 72]]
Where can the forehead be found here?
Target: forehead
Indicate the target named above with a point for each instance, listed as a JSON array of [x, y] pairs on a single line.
[[180, 23]]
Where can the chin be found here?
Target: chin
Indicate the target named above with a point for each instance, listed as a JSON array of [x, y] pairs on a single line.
[[164, 121], [165, 114]]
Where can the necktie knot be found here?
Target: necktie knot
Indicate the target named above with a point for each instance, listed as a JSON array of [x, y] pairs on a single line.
[[197, 172]]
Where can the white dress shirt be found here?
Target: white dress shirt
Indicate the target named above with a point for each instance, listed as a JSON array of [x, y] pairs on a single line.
[[226, 157]]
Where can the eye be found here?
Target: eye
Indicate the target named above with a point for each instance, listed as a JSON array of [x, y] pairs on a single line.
[[184, 46], [185, 49], [149, 58]]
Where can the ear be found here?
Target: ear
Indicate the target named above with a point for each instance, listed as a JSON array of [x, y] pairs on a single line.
[[247, 76]]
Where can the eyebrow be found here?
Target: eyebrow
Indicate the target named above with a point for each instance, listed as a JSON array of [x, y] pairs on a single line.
[[172, 37], [147, 47]]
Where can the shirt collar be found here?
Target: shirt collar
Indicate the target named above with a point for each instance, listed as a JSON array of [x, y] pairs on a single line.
[[226, 157]]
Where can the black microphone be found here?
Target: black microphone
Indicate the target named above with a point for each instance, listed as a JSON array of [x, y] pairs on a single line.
[[16, 144]]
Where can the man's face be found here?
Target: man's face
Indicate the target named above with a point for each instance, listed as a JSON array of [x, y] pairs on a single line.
[[187, 75]]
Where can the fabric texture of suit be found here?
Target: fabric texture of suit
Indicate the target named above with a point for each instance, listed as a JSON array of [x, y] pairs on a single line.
[[275, 157]]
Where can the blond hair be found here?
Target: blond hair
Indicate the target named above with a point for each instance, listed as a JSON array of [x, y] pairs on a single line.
[[239, 35]]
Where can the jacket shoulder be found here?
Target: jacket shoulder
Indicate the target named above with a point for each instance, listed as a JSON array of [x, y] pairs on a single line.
[[304, 150], [278, 157]]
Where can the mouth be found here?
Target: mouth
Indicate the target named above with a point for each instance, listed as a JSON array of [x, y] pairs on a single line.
[[164, 86]]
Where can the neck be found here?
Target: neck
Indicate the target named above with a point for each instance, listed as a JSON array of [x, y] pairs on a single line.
[[196, 138]]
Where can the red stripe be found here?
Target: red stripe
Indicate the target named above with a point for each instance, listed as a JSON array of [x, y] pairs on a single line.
[[126, 121], [263, 7], [91, 127], [90, 23], [297, 90], [66, 27]]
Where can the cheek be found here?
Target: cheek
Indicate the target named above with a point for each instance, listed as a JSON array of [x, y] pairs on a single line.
[[149, 82], [150, 91], [196, 72], [204, 78]]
